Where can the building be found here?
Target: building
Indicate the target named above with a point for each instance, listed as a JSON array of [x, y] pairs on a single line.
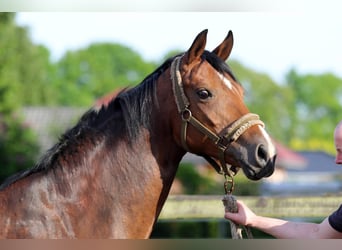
[[50, 122], [318, 174]]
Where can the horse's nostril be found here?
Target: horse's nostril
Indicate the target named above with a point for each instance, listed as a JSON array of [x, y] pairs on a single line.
[[261, 155]]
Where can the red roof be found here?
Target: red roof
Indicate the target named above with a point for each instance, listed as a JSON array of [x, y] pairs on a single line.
[[289, 159], [104, 100]]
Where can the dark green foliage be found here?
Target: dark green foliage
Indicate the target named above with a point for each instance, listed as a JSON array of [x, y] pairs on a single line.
[[18, 147], [193, 182]]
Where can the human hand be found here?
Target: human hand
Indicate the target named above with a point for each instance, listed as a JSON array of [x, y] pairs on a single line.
[[244, 216]]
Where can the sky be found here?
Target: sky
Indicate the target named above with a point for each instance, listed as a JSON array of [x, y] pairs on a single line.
[[268, 42]]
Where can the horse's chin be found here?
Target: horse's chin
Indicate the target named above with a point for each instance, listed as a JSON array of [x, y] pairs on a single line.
[[254, 173]]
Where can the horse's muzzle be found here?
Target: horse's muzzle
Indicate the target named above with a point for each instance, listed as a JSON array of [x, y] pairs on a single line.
[[258, 172]]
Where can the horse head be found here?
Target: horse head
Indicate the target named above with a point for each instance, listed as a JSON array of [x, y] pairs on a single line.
[[214, 120]]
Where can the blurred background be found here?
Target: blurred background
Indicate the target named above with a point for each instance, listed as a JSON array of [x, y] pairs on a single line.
[[55, 66]]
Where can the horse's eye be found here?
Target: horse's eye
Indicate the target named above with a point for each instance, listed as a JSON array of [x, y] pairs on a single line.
[[203, 94]]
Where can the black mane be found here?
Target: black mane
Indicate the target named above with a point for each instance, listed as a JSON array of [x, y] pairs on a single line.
[[135, 105]]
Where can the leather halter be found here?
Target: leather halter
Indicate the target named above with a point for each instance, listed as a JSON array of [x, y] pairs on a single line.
[[233, 132]]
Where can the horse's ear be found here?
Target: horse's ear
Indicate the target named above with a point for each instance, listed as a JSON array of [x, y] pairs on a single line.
[[197, 47], [224, 49]]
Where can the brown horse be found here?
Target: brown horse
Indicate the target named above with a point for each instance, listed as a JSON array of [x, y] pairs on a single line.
[[109, 176]]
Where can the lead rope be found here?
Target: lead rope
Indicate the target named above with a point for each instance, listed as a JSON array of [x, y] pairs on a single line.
[[230, 204]]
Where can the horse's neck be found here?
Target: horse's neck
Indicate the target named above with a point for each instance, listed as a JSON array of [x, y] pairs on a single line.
[[140, 187], [135, 175]]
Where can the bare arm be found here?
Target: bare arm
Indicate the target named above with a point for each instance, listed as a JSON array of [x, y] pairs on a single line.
[[281, 228]]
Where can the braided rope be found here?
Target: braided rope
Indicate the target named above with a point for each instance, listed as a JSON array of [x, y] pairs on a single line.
[[236, 129]]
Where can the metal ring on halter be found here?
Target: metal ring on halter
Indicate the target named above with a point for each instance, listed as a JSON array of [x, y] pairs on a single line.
[[186, 115]]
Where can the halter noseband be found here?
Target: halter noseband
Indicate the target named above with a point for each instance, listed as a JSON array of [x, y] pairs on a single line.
[[234, 131]]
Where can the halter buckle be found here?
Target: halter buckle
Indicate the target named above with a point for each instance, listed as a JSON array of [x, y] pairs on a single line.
[[223, 143]]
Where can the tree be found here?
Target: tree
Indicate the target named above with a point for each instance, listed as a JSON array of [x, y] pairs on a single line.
[[18, 145], [24, 67], [318, 104], [96, 70]]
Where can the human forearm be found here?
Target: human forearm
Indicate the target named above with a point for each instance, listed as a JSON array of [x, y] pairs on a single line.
[[280, 228], [283, 229]]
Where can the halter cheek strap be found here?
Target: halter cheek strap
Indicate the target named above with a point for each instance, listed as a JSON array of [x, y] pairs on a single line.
[[233, 132]]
